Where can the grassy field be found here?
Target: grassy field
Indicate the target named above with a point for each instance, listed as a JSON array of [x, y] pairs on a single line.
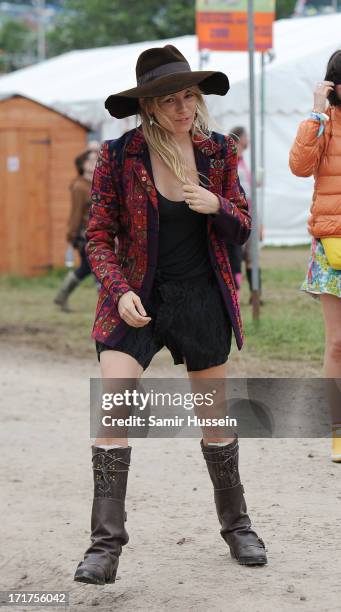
[[290, 327], [291, 323]]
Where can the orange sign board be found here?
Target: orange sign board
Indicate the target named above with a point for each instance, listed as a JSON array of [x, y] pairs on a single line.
[[227, 29]]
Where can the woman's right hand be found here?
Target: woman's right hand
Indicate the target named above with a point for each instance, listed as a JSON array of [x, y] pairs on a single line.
[[131, 310], [322, 89]]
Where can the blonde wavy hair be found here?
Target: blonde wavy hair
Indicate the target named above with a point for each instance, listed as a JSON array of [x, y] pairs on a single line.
[[160, 139]]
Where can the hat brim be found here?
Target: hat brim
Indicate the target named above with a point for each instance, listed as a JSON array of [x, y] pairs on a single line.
[[125, 103]]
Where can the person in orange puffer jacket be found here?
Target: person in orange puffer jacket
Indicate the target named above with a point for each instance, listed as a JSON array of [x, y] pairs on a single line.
[[317, 151]]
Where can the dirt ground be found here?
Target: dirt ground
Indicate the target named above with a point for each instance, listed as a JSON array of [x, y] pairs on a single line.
[[175, 559]]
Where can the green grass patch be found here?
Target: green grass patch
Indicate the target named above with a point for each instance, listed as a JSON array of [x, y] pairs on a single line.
[[291, 323]]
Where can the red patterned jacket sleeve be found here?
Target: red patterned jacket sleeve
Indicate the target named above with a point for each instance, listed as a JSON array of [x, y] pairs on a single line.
[[103, 226], [233, 220]]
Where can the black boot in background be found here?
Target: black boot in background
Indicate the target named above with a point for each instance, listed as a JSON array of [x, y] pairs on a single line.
[[108, 534], [71, 281], [222, 465]]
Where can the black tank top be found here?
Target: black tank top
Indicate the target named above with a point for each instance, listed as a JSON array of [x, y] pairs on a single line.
[[183, 247]]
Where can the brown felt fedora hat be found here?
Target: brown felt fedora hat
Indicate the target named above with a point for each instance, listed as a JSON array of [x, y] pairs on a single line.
[[161, 71]]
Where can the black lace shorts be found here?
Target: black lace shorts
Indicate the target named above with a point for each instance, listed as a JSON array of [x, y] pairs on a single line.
[[189, 318]]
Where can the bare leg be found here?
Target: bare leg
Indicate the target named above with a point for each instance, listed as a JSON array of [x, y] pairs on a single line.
[[332, 356], [332, 322], [115, 364], [214, 372]]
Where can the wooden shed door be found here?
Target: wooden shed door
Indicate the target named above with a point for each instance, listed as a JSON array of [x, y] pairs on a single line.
[[24, 174]]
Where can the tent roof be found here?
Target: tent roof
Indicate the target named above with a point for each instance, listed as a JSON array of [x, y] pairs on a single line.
[[83, 79]]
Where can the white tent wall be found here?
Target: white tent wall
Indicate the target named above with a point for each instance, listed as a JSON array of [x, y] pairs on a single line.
[[113, 128], [77, 84], [287, 198]]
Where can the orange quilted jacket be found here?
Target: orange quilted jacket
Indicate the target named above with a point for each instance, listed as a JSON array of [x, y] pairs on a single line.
[[321, 156]]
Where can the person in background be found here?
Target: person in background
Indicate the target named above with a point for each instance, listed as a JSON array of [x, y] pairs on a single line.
[[317, 151], [80, 205], [237, 255]]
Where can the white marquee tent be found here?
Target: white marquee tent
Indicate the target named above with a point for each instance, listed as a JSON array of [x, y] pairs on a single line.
[[78, 82]]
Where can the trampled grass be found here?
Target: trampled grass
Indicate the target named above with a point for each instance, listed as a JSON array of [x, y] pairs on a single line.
[[28, 314]]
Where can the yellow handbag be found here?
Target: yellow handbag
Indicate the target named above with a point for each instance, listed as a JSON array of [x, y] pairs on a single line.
[[332, 249]]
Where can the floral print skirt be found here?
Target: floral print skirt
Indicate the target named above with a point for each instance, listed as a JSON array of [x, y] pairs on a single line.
[[321, 278]]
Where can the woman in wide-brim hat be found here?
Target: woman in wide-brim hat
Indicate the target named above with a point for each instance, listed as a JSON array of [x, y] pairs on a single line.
[[169, 191]]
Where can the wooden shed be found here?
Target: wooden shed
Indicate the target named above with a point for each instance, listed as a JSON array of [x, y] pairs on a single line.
[[38, 146]]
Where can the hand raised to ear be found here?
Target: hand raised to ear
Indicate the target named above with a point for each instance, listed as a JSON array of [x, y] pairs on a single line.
[[321, 92]]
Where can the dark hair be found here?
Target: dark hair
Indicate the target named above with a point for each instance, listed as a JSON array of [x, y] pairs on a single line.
[[333, 73], [237, 132], [80, 161]]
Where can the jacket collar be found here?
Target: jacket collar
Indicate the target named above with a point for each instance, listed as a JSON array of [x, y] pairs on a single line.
[[137, 147]]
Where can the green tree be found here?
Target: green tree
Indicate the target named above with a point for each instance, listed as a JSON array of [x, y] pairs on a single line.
[[85, 24], [16, 45], [97, 23], [284, 8]]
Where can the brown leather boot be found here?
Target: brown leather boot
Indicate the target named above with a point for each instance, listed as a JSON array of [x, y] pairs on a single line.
[[222, 464], [108, 534]]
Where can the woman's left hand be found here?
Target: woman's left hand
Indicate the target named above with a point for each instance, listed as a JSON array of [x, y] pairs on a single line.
[[200, 200]]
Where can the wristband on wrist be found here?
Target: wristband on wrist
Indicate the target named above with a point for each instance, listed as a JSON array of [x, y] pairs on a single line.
[[322, 118]]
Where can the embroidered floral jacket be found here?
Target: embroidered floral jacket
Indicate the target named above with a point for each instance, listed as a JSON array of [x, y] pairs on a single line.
[[125, 206]]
